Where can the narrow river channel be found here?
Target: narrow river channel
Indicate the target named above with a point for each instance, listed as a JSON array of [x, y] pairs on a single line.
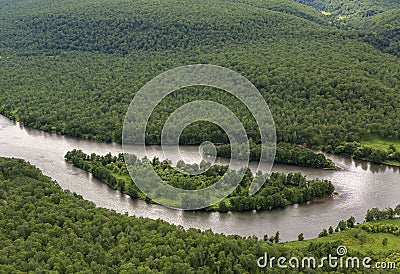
[[361, 186]]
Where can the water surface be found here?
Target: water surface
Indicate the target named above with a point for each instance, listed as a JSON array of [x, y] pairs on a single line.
[[361, 186]]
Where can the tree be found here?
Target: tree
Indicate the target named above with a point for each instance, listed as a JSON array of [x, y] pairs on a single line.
[[300, 237], [223, 207], [363, 238], [350, 222], [277, 239], [323, 233], [134, 194], [373, 214], [271, 239], [342, 225], [397, 210], [392, 148], [385, 241], [389, 213]]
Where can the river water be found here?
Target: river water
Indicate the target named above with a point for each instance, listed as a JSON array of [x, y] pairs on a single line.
[[361, 186]]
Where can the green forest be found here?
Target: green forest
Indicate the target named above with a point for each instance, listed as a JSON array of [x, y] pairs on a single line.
[[329, 71], [286, 153], [73, 68], [47, 229], [380, 18], [278, 191]]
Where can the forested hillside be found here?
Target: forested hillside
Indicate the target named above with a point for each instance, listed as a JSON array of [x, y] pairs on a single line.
[[46, 229], [380, 19], [73, 67], [352, 9], [386, 27]]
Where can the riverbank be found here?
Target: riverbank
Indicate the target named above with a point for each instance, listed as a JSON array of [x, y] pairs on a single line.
[[375, 240], [290, 154], [374, 141], [95, 235], [285, 156], [361, 185], [324, 199]]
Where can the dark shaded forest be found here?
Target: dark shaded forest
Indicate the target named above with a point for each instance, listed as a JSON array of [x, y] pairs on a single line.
[[73, 68], [286, 153], [329, 71]]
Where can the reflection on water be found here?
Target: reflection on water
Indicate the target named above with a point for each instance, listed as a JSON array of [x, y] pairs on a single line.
[[361, 185], [366, 166]]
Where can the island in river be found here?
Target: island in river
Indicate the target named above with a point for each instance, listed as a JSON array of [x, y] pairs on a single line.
[[279, 190]]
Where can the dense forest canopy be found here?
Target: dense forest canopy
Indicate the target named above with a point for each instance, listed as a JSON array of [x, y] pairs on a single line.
[[386, 27], [329, 71], [360, 8], [73, 68], [46, 229], [380, 18]]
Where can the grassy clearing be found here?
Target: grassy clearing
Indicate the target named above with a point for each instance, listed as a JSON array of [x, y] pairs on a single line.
[[358, 240], [375, 141], [392, 163]]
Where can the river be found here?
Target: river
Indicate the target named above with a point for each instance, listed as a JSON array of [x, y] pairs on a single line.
[[361, 186]]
